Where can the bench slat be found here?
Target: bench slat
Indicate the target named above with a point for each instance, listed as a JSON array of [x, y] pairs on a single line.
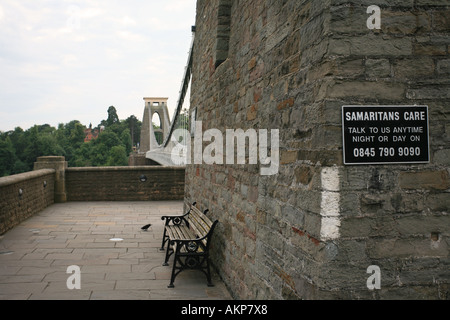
[[187, 233], [200, 222], [199, 229], [201, 217], [171, 232], [180, 233]]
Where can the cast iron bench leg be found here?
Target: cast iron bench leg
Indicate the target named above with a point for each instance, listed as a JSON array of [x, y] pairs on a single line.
[[172, 277], [164, 240], [167, 254]]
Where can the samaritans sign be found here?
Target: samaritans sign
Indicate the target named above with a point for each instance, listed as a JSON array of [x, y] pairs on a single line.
[[385, 134]]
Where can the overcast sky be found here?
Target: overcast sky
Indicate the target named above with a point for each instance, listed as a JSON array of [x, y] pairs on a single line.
[[63, 60]]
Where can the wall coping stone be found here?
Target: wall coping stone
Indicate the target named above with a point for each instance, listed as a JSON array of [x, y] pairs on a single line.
[[51, 159], [21, 177]]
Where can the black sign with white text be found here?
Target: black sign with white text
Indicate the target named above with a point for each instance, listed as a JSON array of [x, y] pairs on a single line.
[[385, 134]]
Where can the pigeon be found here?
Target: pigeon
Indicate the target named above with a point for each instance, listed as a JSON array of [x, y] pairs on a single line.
[[146, 227]]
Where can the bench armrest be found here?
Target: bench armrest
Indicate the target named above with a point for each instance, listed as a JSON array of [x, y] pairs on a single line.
[[177, 219]]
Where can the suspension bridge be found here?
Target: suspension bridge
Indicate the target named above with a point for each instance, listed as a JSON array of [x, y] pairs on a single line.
[[158, 143]]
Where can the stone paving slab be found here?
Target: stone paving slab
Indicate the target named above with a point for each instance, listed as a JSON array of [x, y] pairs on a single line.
[[35, 255]]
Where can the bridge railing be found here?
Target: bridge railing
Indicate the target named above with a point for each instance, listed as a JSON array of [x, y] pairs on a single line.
[[179, 118]]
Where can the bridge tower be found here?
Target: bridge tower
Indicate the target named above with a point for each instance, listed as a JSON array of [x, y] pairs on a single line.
[[149, 140]]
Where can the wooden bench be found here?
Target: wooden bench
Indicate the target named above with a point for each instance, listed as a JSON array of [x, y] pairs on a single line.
[[188, 237]]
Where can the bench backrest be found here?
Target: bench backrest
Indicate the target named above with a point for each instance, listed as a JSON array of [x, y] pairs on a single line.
[[200, 224]]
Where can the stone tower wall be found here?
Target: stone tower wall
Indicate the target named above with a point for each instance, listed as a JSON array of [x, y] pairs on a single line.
[[312, 230]]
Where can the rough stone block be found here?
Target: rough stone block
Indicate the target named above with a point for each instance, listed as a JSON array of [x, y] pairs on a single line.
[[368, 90], [378, 68], [437, 180]]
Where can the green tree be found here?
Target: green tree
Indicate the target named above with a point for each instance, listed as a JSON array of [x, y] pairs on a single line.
[[48, 145], [19, 149], [70, 137], [135, 129], [102, 146], [31, 152], [76, 137], [82, 156], [20, 167], [125, 137], [112, 116], [19, 143], [117, 156], [7, 157]]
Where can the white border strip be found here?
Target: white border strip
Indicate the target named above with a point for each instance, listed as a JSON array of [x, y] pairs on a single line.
[[329, 206]]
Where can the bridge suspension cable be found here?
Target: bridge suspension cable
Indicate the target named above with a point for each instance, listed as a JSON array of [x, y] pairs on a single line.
[[180, 119], [177, 120]]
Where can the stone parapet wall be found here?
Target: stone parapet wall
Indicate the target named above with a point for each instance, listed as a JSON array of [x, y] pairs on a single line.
[[24, 195], [124, 183]]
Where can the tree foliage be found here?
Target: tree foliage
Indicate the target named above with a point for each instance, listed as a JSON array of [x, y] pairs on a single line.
[[20, 148]]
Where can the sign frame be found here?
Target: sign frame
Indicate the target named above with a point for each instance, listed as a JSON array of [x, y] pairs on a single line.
[[379, 111]]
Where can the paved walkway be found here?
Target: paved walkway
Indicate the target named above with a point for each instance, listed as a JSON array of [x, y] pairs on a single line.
[[35, 255]]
